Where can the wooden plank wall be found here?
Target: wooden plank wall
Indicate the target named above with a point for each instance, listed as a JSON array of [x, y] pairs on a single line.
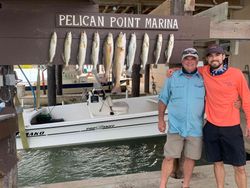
[[26, 28]]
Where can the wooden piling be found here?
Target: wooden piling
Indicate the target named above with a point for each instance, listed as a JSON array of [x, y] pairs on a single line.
[[147, 78], [136, 80], [51, 83], [59, 82]]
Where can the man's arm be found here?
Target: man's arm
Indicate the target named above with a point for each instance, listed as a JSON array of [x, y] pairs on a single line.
[[172, 70], [161, 113], [162, 104], [245, 97]]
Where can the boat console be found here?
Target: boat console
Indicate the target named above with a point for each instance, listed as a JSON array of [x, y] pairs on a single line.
[[101, 105]]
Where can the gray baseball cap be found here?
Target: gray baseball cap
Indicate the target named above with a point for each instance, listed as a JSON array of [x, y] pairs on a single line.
[[190, 52]]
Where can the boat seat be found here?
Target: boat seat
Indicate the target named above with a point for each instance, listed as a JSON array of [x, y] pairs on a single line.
[[120, 107]]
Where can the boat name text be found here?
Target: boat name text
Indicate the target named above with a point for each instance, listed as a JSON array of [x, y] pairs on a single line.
[[31, 134], [108, 21], [100, 127]]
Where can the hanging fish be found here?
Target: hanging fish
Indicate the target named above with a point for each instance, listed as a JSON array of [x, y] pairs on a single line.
[[169, 50], [67, 49], [119, 59], [144, 53], [131, 54], [82, 51], [157, 51], [108, 52], [52, 47], [95, 51]]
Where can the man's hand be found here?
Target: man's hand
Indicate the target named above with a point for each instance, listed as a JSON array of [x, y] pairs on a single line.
[[247, 132], [171, 71], [237, 103], [162, 126]]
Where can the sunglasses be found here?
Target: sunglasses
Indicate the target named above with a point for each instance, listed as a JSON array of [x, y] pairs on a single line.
[[189, 52]]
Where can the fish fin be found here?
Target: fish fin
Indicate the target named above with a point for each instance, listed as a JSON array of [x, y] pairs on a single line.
[[155, 66], [116, 90], [167, 63]]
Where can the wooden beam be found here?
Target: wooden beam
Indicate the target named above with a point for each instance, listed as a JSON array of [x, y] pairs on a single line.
[[145, 10], [126, 9], [105, 9], [189, 5], [211, 5], [163, 9], [116, 10], [217, 14], [94, 1], [230, 29], [131, 3]]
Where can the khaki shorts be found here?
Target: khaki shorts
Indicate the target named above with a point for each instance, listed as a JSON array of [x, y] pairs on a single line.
[[175, 144]]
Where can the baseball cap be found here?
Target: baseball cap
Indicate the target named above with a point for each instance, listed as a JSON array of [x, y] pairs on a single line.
[[215, 48], [190, 52]]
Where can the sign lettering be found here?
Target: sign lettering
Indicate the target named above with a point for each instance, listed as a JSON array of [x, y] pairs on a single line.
[[110, 21]]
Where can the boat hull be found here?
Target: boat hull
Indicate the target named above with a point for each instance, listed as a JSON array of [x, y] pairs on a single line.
[[92, 132]]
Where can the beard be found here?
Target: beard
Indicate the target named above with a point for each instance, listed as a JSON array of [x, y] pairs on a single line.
[[215, 65]]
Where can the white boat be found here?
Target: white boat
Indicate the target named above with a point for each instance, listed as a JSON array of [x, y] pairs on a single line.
[[100, 119]]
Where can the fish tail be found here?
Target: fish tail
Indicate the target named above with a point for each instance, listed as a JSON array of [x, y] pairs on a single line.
[[104, 80], [155, 66], [129, 73], [50, 60], [142, 71], [116, 90]]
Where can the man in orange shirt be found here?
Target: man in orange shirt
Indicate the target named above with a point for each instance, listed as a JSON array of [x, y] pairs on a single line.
[[222, 134]]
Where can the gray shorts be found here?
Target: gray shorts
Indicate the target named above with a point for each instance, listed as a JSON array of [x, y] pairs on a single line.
[[175, 144]]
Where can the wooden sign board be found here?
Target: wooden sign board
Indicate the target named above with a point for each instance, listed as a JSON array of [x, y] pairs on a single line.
[[25, 31]]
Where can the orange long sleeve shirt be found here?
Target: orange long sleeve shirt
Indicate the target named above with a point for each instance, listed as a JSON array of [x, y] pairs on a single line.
[[221, 93]]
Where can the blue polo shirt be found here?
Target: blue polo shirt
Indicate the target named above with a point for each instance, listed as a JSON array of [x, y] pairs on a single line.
[[184, 98]]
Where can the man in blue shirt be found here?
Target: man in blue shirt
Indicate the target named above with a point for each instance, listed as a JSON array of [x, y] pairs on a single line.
[[183, 95]]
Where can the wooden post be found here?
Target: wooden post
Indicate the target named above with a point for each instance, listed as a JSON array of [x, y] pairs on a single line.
[[51, 83], [147, 78], [59, 90], [178, 7], [8, 129], [136, 80]]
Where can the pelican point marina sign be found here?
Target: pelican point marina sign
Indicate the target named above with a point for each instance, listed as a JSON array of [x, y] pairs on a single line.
[[115, 21], [29, 39]]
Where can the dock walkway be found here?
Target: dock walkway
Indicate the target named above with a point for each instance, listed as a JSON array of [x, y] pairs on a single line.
[[202, 178]]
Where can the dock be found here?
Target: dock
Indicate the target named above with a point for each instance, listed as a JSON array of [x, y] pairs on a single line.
[[203, 177]]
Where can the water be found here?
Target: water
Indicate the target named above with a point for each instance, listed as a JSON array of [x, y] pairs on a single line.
[[98, 160], [82, 162]]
